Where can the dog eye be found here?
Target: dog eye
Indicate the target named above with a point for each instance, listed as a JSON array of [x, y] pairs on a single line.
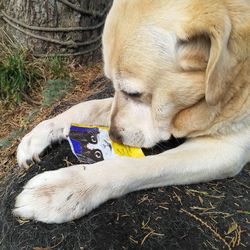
[[134, 95]]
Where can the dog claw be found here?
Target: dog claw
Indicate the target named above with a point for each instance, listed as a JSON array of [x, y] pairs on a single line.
[[25, 165], [36, 158]]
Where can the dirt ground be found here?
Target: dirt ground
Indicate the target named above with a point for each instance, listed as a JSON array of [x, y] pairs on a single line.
[[213, 215]]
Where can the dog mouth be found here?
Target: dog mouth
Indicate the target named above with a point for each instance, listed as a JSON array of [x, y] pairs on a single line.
[[147, 138], [134, 140]]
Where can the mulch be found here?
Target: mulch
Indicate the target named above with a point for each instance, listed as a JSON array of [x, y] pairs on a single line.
[[212, 215]]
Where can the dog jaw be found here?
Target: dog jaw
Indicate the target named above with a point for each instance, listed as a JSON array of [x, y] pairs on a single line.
[[133, 122]]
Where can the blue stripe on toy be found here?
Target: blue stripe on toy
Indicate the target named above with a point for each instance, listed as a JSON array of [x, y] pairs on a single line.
[[81, 129], [76, 146]]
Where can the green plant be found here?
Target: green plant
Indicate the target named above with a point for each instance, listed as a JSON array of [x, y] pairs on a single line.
[[55, 89], [16, 76], [21, 72], [57, 67]]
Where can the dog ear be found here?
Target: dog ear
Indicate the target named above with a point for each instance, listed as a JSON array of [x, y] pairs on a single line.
[[218, 65], [217, 68]]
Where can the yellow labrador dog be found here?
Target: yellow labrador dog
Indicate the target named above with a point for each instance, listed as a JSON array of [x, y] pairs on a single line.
[[179, 68]]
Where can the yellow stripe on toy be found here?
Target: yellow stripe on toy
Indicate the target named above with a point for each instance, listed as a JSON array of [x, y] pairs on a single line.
[[123, 150]]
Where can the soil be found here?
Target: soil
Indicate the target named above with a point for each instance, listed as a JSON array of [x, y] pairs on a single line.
[[212, 215]]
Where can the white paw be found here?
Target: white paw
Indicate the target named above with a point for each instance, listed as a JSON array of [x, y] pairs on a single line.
[[62, 195], [34, 143]]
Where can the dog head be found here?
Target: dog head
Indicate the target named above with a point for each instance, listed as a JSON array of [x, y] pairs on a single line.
[[170, 64]]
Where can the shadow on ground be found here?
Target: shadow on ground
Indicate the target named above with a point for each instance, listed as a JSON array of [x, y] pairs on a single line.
[[206, 216]]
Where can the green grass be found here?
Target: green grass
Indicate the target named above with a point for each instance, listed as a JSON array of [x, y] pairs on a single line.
[[6, 141], [59, 82], [16, 77], [24, 77], [21, 73], [55, 89], [57, 67]]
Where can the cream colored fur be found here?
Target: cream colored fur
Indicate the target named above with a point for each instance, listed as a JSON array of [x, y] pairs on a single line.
[[179, 68]]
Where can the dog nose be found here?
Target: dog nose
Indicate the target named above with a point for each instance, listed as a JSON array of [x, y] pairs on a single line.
[[114, 135]]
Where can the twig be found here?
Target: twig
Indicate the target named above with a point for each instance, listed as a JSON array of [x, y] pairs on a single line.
[[52, 247], [243, 184], [216, 234], [147, 235], [51, 29], [28, 99]]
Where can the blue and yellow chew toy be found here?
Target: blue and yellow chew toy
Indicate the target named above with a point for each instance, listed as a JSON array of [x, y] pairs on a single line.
[[91, 144]]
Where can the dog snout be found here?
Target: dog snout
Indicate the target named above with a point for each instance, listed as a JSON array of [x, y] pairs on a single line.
[[115, 134]]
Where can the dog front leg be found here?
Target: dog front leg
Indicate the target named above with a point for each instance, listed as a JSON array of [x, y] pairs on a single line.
[[69, 193], [195, 161], [96, 112]]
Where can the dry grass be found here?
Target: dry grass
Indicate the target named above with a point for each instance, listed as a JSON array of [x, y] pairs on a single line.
[[22, 74], [17, 119]]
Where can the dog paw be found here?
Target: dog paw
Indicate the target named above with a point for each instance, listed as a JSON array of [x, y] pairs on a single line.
[[34, 143], [62, 195]]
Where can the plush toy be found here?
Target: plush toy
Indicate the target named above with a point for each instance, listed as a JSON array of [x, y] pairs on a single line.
[[91, 144]]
